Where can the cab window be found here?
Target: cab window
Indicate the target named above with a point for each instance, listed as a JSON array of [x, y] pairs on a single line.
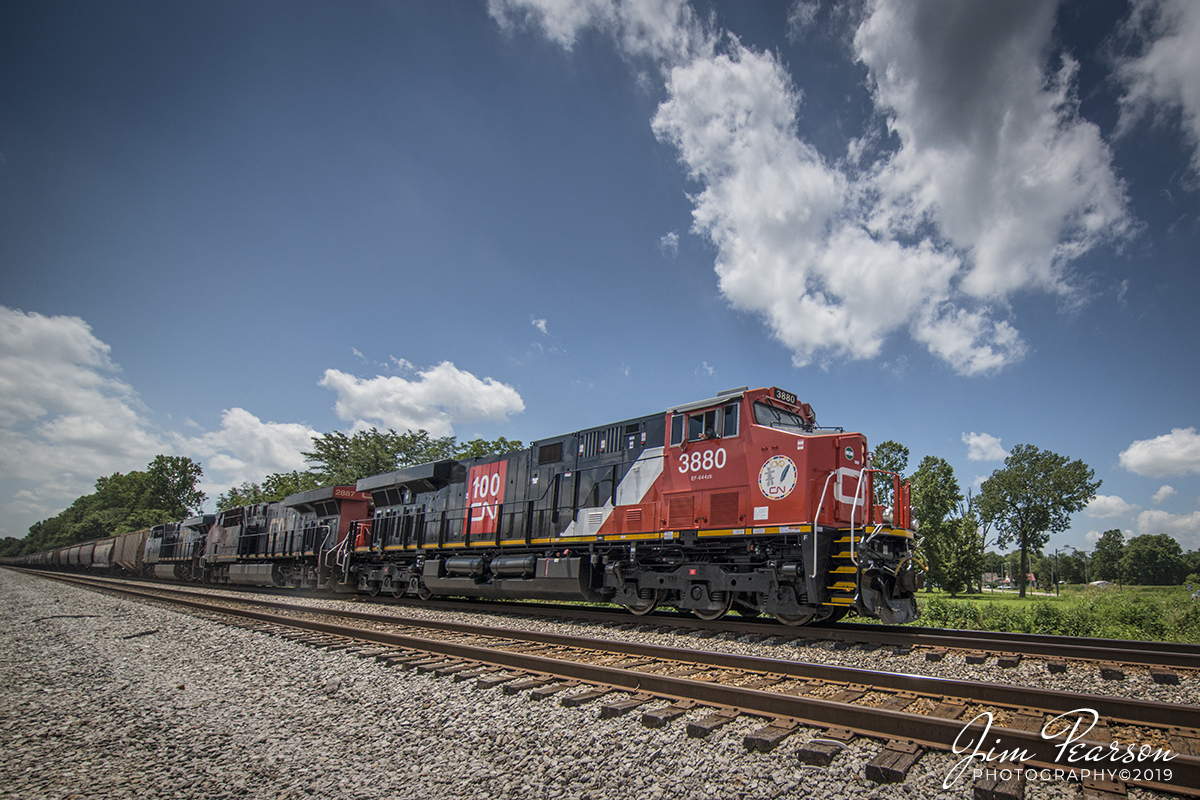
[[774, 417], [711, 423], [730, 422], [702, 425]]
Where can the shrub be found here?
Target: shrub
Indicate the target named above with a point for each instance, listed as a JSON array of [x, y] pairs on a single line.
[[1004, 617]]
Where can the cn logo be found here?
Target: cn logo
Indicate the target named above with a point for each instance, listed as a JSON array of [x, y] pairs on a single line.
[[485, 492], [777, 478]]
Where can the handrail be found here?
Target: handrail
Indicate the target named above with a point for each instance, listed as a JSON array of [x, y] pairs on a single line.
[[857, 491], [854, 508], [817, 520]]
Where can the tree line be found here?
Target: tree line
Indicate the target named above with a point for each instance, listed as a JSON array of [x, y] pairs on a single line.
[[1021, 504], [168, 489]]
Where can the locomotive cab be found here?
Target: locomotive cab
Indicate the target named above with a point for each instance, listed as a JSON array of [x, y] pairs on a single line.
[[775, 515]]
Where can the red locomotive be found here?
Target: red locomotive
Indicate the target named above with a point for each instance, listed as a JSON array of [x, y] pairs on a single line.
[[739, 501]]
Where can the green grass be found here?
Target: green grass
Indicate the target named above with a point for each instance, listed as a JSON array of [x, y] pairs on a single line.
[[1148, 613]]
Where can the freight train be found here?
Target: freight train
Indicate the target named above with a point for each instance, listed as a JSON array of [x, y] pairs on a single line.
[[739, 502]]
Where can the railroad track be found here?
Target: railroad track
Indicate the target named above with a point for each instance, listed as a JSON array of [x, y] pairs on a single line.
[[1034, 729], [1111, 657]]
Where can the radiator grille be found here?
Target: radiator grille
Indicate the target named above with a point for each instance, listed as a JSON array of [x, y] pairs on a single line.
[[682, 512], [723, 510]]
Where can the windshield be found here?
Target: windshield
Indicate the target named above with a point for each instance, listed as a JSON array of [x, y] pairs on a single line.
[[773, 417]]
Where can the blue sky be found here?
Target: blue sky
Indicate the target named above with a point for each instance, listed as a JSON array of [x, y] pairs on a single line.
[[227, 226]]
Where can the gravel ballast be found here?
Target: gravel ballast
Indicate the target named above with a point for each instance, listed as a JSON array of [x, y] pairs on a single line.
[[112, 698]]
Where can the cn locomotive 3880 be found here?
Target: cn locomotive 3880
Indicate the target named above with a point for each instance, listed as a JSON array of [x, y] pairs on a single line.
[[736, 502]]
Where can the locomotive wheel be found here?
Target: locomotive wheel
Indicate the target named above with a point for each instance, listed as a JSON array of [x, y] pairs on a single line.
[[720, 612], [644, 607], [424, 592], [831, 616], [792, 620], [373, 588], [398, 589]]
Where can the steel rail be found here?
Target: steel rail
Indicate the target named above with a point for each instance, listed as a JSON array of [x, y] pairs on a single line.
[[1131, 652], [1037, 750], [1122, 710]]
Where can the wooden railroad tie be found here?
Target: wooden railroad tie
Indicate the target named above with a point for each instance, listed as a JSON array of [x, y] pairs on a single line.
[[764, 681], [1184, 741], [977, 657], [1009, 660], [1164, 676], [850, 693], [478, 672], [420, 661], [892, 763], [399, 659], [821, 750], [766, 738], [1008, 783], [527, 682], [949, 709], [658, 717], [703, 727], [542, 692], [370, 652], [936, 654], [1112, 672], [490, 681], [454, 669], [898, 702], [345, 644], [1103, 790], [622, 707], [1100, 733], [1056, 667], [579, 698], [1026, 720]]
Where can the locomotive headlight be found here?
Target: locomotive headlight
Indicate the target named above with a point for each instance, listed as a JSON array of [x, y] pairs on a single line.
[[849, 453]]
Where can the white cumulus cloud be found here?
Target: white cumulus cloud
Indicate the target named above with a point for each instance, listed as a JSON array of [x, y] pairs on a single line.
[[66, 416], [1174, 453], [984, 447], [997, 185], [438, 399], [993, 149], [247, 449], [1183, 527], [1106, 506], [668, 244], [1164, 493], [1163, 74]]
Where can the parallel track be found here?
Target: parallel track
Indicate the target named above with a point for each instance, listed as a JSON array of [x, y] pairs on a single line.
[[785, 693], [1121, 651]]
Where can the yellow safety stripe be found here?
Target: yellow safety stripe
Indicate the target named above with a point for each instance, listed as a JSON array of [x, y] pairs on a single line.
[[616, 537]]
